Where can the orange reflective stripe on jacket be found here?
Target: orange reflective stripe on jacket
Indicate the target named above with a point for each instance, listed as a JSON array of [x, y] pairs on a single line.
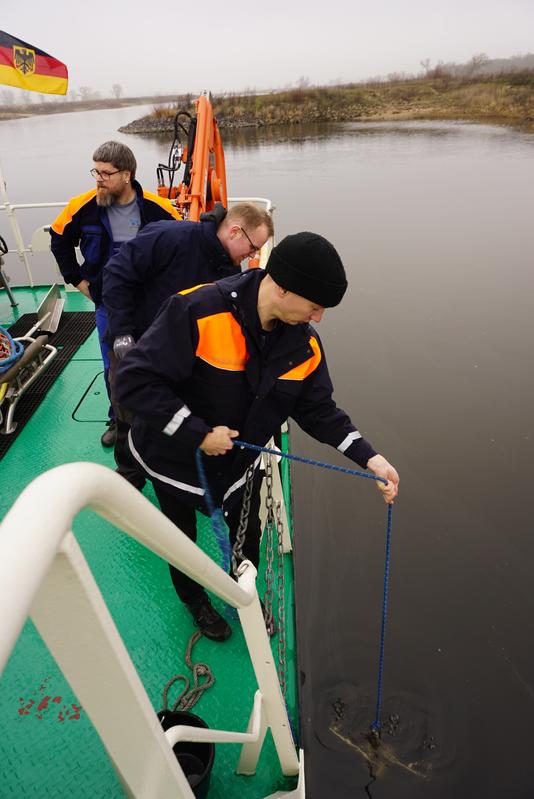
[[222, 343], [163, 203], [72, 208], [302, 371]]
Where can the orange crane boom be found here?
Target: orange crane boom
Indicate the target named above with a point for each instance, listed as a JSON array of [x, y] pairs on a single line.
[[204, 181]]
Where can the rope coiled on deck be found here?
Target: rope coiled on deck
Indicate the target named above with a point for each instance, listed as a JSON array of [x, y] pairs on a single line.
[[10, 350]]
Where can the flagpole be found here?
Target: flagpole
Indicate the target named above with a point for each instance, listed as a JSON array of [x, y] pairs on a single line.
[[21, 249]]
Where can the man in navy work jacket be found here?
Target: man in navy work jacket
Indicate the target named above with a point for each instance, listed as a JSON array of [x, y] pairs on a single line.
[[98, 222], [163, 259], [237, 357]]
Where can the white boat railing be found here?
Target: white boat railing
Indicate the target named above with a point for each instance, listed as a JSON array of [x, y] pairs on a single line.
[[41, 243], [43, 574]]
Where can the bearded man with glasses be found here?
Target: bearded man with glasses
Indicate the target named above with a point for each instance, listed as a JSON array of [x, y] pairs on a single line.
[[98, 222]]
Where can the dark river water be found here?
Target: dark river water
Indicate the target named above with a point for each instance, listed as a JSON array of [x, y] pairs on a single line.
[[431, 354]]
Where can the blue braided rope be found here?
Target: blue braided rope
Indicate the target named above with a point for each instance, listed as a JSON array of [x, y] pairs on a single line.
[[311, 462], [376, 723], [217, 520]]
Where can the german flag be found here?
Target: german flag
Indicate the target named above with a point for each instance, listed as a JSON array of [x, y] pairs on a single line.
[[24, 66]]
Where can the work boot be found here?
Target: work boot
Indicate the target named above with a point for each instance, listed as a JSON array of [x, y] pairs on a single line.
[[110, 436], [208, 620]]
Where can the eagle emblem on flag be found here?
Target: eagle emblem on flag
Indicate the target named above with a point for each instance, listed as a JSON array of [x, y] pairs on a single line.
[[24, 60]]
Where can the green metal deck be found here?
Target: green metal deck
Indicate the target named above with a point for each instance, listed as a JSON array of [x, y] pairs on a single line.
[[48, 746]]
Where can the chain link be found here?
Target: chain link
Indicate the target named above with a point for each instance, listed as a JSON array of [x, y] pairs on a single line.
[[282, 666], [237, 551], [237, 557], [269, 549]]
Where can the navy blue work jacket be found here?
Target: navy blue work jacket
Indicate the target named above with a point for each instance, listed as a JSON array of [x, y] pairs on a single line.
[[162, 259], [205, 362]]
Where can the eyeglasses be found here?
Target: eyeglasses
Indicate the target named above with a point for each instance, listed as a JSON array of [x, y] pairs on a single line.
[[253, 247], [96, 173]]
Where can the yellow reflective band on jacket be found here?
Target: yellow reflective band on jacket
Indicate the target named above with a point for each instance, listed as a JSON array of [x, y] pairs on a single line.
[[73, 206], [302, 371], [193, 288], [164, 203], [222, 343]]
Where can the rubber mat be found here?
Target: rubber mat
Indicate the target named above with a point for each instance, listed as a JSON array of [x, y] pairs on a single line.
[[74, 328]]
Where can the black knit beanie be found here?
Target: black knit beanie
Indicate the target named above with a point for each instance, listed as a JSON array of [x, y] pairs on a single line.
[[308, 265]]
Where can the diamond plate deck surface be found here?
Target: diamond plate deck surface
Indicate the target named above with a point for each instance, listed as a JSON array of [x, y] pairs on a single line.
[[48, 746]]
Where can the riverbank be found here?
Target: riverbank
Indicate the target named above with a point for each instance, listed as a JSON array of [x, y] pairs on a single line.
[[503, 99], [54, 106]]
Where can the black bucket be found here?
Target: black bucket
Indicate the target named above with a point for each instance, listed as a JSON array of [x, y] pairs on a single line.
[[195, 758]]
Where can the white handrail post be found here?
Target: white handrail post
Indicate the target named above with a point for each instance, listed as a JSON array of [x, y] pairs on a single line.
[[278, 497], [15, 227], [264, 667], [287, 543], [72, 618], [250, 753]]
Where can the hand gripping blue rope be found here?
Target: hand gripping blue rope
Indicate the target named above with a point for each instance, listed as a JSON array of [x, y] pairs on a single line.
[[375, 726]]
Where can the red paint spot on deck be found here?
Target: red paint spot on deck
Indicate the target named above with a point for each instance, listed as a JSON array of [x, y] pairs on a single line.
[[43, 704], [25, 711], [71, 713]]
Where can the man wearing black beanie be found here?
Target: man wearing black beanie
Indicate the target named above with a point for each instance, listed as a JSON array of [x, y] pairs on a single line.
[[308, 265], [237, 358]]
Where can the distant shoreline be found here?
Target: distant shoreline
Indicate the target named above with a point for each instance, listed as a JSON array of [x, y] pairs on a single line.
[[64, 107], [506, 99]]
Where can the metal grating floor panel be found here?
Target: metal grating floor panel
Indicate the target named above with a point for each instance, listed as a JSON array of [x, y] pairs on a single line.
[[74, 328]]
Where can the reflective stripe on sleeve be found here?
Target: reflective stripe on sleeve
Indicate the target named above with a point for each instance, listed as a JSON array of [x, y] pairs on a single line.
[[345, 444], [241, 480], [161, 477], [177, 420]]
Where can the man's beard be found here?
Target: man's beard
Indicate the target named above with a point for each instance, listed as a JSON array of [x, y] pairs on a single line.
[[105, 198]]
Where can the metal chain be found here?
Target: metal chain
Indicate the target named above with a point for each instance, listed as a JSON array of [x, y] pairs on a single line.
[[282, 667], [269, 549], [237, 550], [188, 698]]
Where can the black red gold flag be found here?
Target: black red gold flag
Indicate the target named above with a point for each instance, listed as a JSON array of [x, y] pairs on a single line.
[[27, 67]]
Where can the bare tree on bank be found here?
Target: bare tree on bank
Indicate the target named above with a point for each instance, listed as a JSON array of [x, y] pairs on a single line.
[[426, 64], [476, 64], [116, 91], [87, 93]]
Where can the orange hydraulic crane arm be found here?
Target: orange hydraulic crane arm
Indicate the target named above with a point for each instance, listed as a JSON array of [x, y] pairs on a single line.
[[204, 181]]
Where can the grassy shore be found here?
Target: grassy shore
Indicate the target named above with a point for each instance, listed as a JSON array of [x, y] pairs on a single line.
[[503, 99]]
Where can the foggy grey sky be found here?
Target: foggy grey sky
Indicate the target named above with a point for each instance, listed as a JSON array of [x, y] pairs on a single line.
[[168, 47]]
